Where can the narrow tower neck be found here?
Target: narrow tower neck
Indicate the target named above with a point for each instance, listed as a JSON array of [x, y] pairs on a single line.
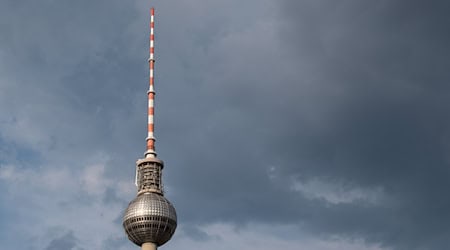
[[151, 153], [149, 246]]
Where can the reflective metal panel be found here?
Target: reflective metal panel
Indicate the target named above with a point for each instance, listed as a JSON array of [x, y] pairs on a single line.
[[150, 218]]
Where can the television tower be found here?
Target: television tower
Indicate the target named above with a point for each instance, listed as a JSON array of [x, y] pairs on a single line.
[[150, 219]]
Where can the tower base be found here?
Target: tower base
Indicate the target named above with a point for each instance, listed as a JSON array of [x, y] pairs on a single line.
[[149, 246]]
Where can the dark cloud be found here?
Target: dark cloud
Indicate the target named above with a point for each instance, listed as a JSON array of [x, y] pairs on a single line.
[[253, 99], [391, 127], [67, 241], [197, 234], [351, 92], [114, 243], [110, 196]]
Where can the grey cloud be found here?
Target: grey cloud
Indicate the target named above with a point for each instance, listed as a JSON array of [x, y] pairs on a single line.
[[252, 97], [67, 241], [114, 243], [195, 233], [356, 95]]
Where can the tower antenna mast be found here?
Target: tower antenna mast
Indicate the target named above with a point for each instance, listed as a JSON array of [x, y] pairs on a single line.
[[151, 91]]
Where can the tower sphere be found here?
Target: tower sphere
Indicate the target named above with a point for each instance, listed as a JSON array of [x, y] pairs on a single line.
[[150, 218]]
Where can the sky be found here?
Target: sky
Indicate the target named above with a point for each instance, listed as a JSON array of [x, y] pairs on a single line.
[[287, 124]]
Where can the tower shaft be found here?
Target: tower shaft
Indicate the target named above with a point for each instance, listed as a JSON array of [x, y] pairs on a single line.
[[150, 219], [149, 246]]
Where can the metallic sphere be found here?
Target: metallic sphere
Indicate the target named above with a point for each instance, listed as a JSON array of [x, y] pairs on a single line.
[[150, 218]]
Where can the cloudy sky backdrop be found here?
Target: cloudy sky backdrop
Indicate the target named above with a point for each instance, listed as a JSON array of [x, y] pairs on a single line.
[[287, 124]]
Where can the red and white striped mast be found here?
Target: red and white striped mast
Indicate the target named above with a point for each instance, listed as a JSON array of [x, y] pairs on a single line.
[[151, 91]]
